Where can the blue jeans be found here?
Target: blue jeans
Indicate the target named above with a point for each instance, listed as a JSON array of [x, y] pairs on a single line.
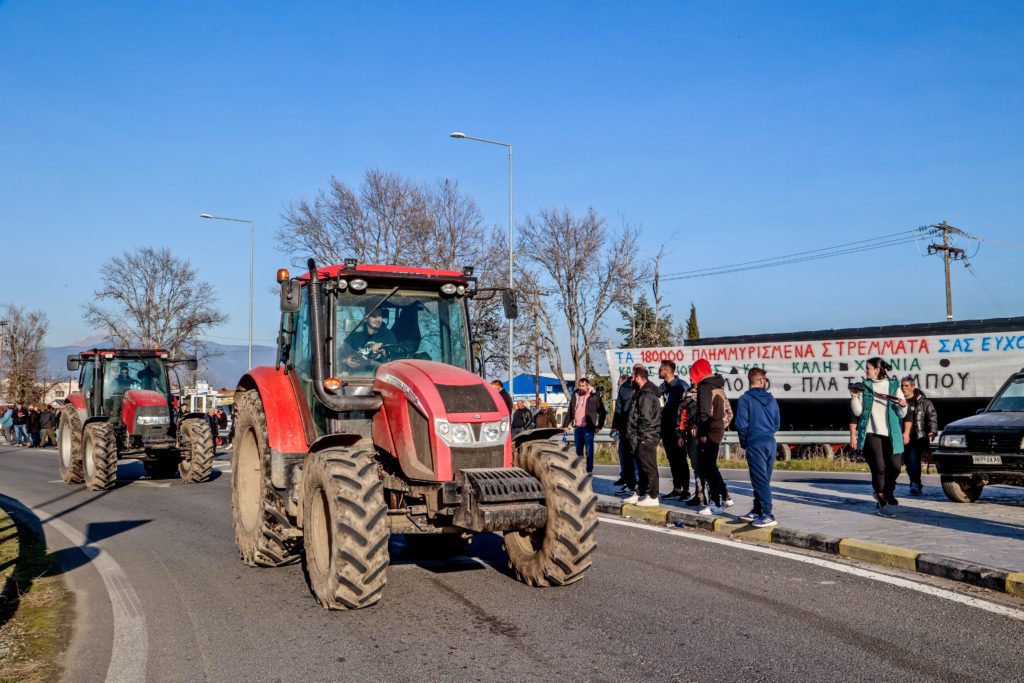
[[582, 436], [21, 432], [761, 462], [912, 454]]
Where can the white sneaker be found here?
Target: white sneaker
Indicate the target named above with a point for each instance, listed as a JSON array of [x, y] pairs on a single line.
[[727, 502], [632, 500], [648, 502], [705, 511]]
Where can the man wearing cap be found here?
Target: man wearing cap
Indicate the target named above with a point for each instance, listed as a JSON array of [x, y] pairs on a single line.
[[585, 417], [368, 342], [545, 418]]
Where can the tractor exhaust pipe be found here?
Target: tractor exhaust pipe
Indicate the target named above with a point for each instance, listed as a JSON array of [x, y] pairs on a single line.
[[340, 404]]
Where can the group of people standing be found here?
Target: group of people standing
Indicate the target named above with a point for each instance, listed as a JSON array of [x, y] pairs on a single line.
[[689, 419], [29, 426]]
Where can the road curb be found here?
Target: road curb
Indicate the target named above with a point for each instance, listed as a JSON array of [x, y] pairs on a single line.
[[993, 578]]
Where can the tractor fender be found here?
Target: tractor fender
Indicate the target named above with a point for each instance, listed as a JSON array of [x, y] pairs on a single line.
[[542, 434], [286, 433]]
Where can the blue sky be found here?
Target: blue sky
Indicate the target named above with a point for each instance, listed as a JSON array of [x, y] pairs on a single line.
[[730, 131]]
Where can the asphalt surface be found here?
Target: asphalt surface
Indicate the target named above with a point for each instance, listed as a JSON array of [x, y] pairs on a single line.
[[655, 606]]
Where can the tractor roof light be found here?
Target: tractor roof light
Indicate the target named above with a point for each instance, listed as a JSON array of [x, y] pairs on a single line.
[[448, 288], [351, 263], [357, 285], [460, 290], [283, 275], [342, 284], [467, 271], [332, 384]]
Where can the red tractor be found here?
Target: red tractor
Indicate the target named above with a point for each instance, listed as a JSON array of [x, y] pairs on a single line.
[[373, 423], [124, 409]]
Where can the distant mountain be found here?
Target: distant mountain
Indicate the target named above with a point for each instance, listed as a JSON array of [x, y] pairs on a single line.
[[225, 364]]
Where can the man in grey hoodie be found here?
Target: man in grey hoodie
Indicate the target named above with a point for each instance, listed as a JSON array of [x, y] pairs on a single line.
[[757, 420]]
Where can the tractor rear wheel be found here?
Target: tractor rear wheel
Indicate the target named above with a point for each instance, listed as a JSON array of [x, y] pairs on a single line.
[[262, 529], [561, 552], [198, 451], [99, 454], [69, 446], [345, 528]]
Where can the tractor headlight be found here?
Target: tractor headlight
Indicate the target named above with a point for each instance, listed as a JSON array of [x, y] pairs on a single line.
[[448, 288], [453, 433], [460, 290], [357, 285], [953, 441], [153, 420], [494, 432]]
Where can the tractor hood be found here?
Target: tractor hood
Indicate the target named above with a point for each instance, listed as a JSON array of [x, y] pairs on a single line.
[[143, 402], [435, 419]]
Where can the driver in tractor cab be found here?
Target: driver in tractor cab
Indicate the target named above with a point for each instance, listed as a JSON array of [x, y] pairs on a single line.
[[367, 344], [122, 381]]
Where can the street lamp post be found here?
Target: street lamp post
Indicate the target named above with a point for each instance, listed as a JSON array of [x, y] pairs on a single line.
[[462, 136], [251, 251], [3, 334]]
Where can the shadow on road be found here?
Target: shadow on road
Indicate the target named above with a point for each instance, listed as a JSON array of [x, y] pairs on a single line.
[[441, 554], [33, 561]]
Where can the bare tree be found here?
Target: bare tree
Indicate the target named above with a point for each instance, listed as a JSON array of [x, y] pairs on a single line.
[[391, 220], [154, 300], [24, 358], [590, 268]]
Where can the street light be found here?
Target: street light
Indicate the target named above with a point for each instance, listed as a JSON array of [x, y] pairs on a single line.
[[251, 243], [458, 135]]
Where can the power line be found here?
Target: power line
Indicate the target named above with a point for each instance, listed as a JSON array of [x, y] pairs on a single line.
[[892, 239], [991, 295]]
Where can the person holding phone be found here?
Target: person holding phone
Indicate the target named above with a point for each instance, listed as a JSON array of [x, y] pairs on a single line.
[[879, 405]]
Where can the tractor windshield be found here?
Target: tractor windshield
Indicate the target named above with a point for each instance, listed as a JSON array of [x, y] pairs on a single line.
[[123, 374], [418, 325]]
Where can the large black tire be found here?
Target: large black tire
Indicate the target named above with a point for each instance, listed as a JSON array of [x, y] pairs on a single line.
[[561, 552], [69, 446], [99, 456], [345, 528], [257, 509], [962, 490], [197, 451]]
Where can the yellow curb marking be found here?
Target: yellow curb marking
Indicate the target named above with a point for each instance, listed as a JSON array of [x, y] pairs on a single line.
[[879, 553], [742, 530], [1015, 584], [658, 515]]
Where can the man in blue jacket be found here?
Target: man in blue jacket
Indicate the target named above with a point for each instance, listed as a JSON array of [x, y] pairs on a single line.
[[757, 420]]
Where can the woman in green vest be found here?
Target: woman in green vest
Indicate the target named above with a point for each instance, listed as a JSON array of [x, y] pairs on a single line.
[[879, 406]]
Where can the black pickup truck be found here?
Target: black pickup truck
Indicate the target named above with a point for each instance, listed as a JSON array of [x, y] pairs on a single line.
[[987, 448]]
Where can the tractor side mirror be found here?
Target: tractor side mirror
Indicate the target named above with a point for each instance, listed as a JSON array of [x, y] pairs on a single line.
[[192, 364], [509, 302], [74, 362], [290, 299]]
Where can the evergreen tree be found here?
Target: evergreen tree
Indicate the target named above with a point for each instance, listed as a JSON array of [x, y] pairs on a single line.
[[692, 328], [643, 329]]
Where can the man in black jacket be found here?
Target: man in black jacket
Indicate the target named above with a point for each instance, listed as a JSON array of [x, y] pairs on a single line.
[[644, 433], [585, 417], [919, 427], [620, 421], [500, 388], [522, 418]]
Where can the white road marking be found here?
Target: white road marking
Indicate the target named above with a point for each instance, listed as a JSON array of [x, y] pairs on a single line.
[[130, 648], [835, 566]]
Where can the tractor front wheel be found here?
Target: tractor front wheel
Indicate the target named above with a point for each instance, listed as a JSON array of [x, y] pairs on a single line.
[[99, 453], [262, 529], [69, 446], [345, 528], [561, 552], [197, 451]]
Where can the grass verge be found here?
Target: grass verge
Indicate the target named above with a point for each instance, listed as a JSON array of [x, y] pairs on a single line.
[[35, 607]]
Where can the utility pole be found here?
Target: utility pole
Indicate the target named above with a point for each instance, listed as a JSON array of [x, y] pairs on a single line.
[[536, 360], [949, 253]]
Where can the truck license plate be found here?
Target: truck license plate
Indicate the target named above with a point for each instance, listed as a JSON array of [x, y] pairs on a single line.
[[987, 460]]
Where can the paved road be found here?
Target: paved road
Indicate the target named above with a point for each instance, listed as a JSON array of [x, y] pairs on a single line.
[[658, 606]]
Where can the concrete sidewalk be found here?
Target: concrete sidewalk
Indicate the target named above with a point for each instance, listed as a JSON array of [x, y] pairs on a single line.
[[989, 532]]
